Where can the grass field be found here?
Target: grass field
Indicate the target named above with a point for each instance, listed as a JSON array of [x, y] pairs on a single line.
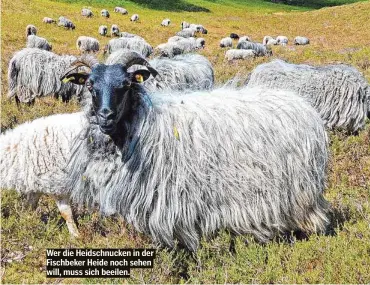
[[337, 34]]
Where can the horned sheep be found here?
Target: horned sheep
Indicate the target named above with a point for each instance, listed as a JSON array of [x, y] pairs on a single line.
[[38, 42], [163, 163], [87, 44], [338, 92]]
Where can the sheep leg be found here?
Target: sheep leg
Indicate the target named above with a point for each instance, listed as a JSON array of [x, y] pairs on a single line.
[[33, 199], [66, 212], [123, 225]]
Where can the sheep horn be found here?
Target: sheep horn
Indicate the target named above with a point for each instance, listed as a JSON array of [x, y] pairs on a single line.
[[85, 60], [131, 58]]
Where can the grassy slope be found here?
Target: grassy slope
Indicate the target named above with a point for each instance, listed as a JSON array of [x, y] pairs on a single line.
[[337, 34]]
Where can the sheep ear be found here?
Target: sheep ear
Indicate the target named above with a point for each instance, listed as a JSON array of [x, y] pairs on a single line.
[[139, 76], [75, 78]]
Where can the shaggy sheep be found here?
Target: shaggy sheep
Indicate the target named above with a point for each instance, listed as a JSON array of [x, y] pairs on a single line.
[[232, 54], [66, 23], [186, 33], [175, 39], [244, 39], [181, 46], [38, 42], [301, 41], [338, 92], [87, 44], [183, 167], [103, 30], [166, 22], [183, 72], [31, 30], [198, 28], [114, 31], [226, 42], [136, 43], [260, 49], [120, 10], [35, 73], [234, 36], [105, 13], [48, 20], [87, 13], [282, 40], [184, 25], [266, 40], [134, 18]]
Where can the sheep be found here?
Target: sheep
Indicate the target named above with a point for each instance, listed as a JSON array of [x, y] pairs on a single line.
[[114, 31], [244, 39], [282, 40], [226, 42], [134, 18], [35, 73], [198, 28], [260, 49], [38, 42], [183, 167], [181, 46], [103, 30], [184, 25], [48, 20], [338, 92], [87, 44], [186, 33], [166, 22], [234, 36], [120, 10], [301, 41], [87, 13], [183, 72], [33, 154], [266, 39], [31, 30], [127, 35], [232, 54], [136, 43], [174, 39], [66, 23], [105, 13]]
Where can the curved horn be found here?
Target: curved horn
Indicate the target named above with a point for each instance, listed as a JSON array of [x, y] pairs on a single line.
[[85, 60], [132, 57]]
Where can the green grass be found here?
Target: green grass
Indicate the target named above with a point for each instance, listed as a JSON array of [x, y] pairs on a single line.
[[337, 34]]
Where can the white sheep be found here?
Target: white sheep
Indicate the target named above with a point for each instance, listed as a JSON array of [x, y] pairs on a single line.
[[232, 54], [135, 43], [181, 46], [282, 40], [48, 20], [31, 30], [134, 18], [105, 13], [260, 49], [226, 42], [114, 30], [186, 33], [103, 30], [301, 40], [87, 44], [87, 13], [38, 42], [121, 10], [244, 39], [166, 22]]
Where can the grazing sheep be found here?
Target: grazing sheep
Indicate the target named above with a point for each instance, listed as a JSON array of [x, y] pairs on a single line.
[[134, 18], [181, 46], [244, 39], [232, 54], [174, 39], [87, 13], [184, 25], [121, 10], [266, 39], [33, 154], [103, 30], [66, 23], [136, 43], [226, 42], [31, 30], [38, 42], [198, 28], [183, 72], [87, 44], [234, 36], [186, 33], [35, 73], [338, 92], [301, 41], [48, 20], [282, 40], [183, 167], [166, 22], [260, 49], [114, 31], [105, 13]]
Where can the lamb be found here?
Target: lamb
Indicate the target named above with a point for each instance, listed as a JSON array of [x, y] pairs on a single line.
[[338, 92], [179, 168], [114, 31], [87, 13], [184, 25], [120, 10], [260, 49], [48, 20], [166, 22], [87, 44], [103, 30], [31, 30], [232, 54], [134, 18], [244, 39], [234, 36], [35, 73], [105, 13], [186, 33], [66, 23], [226, 42], [282, 40], [183, 72], [136, 43], [181, 46], [38, 42], [301, 41]]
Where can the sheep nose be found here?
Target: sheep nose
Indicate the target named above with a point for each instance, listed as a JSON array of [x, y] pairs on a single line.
[[106, 114]]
